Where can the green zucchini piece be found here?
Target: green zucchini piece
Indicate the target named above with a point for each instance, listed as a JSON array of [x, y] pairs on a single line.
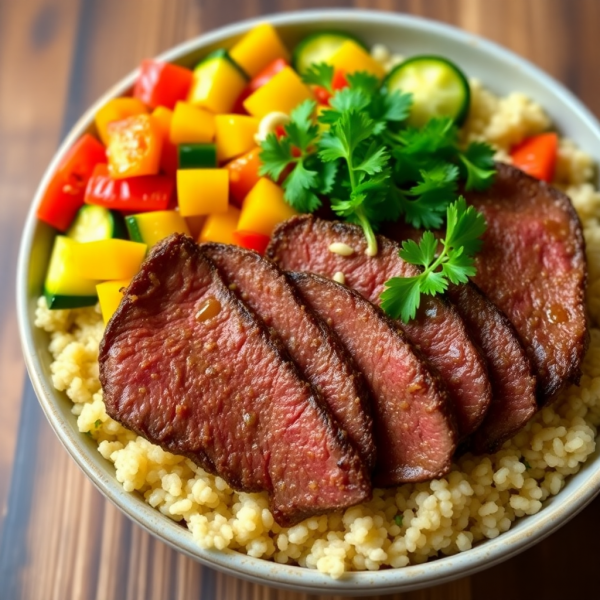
[[197, 156], [205, 66], [94, 223], [63, 287], [439, 88], [151, 227], [318, 47]]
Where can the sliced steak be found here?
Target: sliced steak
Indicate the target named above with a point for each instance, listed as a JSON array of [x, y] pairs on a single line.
[[509, 369], [414, 424], [533, 267], [302, 244], [185, 364], [317, 351]]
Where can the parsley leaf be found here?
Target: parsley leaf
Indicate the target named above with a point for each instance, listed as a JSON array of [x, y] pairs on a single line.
[[453, 264], [477, 166], [275, 156], [398, 519], [299, 186], [320, 74]]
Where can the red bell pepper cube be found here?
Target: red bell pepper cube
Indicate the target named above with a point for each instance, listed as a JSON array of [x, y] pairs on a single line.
[[338, 82], [536, 156], [162, 84], [130, 194], [258, 81], [243, 175], [64, 195], [251, 240]]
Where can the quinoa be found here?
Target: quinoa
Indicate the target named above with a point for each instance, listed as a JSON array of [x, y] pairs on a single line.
[[479, 499]]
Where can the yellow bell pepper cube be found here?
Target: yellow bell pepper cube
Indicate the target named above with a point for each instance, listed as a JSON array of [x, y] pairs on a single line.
[[151, 227], [282, 93], [117, 109], [110, 294], [109, 259], [191, 125], [351, 58], [258, 49], [220, 227], [202, 191], [134, 147], [218, 81], [264, 208], [235, 135]]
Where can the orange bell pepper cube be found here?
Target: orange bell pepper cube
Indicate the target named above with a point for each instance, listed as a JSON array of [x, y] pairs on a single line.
[[134, 146], [162, 84], [251, 240], [220, 227], [65, 192], [202, 191], [536, 156], [168, 155], [264, 208], [234, 135], [117, 109], [192, 125], [243, 175]]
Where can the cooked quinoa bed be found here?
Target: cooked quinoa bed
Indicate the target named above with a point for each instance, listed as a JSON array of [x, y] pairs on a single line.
[[480, 498]]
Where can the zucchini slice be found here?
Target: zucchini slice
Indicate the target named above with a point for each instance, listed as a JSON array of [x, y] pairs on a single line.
[[319, 47], [439, 88], [64, 287], [94, 223], [151, 227], [197, 156]]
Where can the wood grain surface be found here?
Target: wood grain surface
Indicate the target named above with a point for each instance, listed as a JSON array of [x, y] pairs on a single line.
[[59, 538]]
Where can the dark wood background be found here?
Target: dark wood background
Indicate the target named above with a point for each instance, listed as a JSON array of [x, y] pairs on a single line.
[[59, 538]]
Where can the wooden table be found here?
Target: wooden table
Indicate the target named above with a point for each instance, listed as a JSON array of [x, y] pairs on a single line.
[[59, 538]]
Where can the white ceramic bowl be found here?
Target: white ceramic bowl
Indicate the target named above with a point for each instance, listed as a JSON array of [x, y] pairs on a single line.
[[502, 72]]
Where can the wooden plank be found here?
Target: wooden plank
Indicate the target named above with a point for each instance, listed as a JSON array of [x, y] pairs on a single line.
[[62, 539]]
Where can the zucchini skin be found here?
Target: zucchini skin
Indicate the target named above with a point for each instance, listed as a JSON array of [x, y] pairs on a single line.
[[461, 115], [222, 54], [62, 301], [301, 47]]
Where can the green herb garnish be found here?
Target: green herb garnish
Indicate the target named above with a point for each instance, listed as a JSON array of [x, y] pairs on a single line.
[[454, 264], [398, 520], [97, 423], [527, 465]]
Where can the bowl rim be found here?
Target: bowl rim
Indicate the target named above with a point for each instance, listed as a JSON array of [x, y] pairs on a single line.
[[530, 530]]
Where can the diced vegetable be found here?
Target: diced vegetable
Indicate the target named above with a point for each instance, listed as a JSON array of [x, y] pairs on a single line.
[[235, 135], [191, 125], [319, 47], [339, 82], [281, 94], [94, 223], [351, 57], [65, 192], [251, 240], [202, 191], [220, 227], [110, 294], [108, 259], [264, 207], [243, 175], [150, 228], [117, 109], [261, 79], [258, 48], [536, 156], [64, 287], [134, 146], [162, 84], [218, 81], [168, 155], [134, 194], [197, 156], [439, 88]]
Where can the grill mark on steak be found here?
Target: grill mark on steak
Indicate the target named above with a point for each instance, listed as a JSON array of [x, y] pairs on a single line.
[[414, 427], [532, 266], [220, 391], [317, 351], [509, 369], [437, 332]]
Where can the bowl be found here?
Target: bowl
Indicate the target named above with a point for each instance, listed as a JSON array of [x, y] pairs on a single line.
[[404, 34]]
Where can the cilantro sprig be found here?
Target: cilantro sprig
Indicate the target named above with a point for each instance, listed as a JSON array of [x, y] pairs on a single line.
[[453, 264]]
